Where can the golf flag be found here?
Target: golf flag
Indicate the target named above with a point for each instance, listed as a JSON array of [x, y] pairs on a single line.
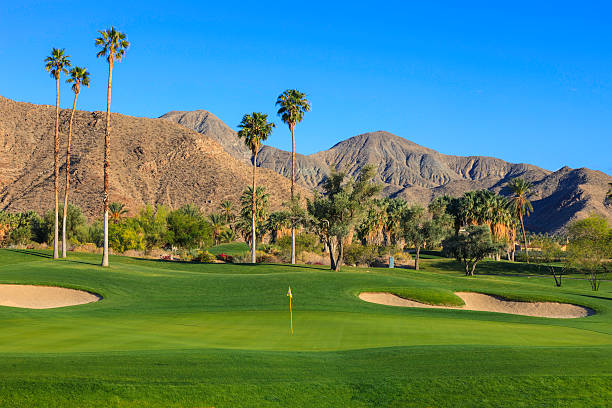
[[290, 311]]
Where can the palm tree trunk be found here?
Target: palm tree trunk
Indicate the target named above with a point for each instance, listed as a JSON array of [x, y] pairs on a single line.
[[107, 161], [292, 192], [67, 177], [56, 172], [254, 209], [524, 239]]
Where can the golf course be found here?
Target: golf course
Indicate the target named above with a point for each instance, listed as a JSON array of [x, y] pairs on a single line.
[[169, 334]]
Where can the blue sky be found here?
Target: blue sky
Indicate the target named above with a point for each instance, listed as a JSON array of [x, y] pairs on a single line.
[[524, 82]]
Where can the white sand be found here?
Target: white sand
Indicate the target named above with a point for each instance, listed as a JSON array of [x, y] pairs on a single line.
[[488, 303], [43, 297]]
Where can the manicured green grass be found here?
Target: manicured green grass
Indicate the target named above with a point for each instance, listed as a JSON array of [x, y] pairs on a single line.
[[232, 249], [430, 296], [170, 334]]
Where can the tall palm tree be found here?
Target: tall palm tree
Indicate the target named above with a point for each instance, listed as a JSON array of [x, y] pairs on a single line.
[[113, 45], [254, 129], [78, 76], [56, 63], [117, 211], [520, 203], [293, 105]]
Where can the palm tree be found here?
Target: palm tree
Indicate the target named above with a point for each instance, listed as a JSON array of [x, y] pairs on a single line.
[[78, 76], [117, 211], [227, 211], [113, 44], [56, 63], [520, 204], [293, 104], [217, 222], [254, 129]]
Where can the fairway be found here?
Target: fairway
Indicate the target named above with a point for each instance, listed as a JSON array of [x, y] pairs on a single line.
[[187, 334]]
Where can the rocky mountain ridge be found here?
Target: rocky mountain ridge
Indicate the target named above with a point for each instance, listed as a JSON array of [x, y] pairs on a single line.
[[419, 174]]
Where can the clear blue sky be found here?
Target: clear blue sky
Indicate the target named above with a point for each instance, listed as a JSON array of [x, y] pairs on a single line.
[[527, 82]]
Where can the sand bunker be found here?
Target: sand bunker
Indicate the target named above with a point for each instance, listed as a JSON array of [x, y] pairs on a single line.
[[488, 303], [43, 297]]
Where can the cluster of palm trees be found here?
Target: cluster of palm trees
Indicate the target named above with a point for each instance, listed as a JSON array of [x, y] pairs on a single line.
[[113, 45], [383, 223], [254, 130]]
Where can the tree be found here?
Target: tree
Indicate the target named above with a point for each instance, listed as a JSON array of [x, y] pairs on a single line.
[[293, 105], [590, 248], [244, 223], [56, 64], [340, 208], [520, 204], [420, 230], [470, 247], [153, 221], [254, 129], [217, 223], [117, 211], [113, 45], [78, 76], [550, 251], [276, 222], [187, 228], [74, 220], [227, 211]]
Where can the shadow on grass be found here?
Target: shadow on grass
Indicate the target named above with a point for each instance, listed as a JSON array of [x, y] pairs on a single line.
[[47, 256]]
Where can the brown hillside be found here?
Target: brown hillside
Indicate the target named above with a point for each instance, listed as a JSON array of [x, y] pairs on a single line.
[[414, 172], [153, 161]]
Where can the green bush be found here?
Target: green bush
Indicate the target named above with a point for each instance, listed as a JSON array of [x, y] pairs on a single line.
[[204, 256], [357, 254], [123, 236]]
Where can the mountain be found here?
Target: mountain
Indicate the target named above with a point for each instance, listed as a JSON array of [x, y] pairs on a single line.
[[419, 174], [153, 161]]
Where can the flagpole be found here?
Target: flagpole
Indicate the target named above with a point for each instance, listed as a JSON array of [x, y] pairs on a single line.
[[290, 309]]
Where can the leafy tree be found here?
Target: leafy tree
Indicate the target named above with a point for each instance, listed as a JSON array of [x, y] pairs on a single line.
[[153, 221], [74, 221], [117, 211], [550, 251], [371, 230], [293, 105], [127, 235], [187, 228], [520, 204], [471, 247], [56, 64], [78, 76], [420, 229], [113, 45], [590, 248], [342, 207], [254, 129], [396, 209]]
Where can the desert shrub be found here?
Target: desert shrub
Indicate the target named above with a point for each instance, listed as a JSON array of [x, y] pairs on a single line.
[[127, 235], [187, 228], [357, 254], [204, 256]]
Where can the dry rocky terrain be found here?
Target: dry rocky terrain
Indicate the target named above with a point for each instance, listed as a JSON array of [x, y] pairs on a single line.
[[154, 161], [419, 174]]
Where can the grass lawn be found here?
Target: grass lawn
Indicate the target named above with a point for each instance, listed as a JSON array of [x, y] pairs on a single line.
[[173, 334]]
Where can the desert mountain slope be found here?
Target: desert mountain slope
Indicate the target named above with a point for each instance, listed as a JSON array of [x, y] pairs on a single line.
[[419, 174], [153, 161]]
